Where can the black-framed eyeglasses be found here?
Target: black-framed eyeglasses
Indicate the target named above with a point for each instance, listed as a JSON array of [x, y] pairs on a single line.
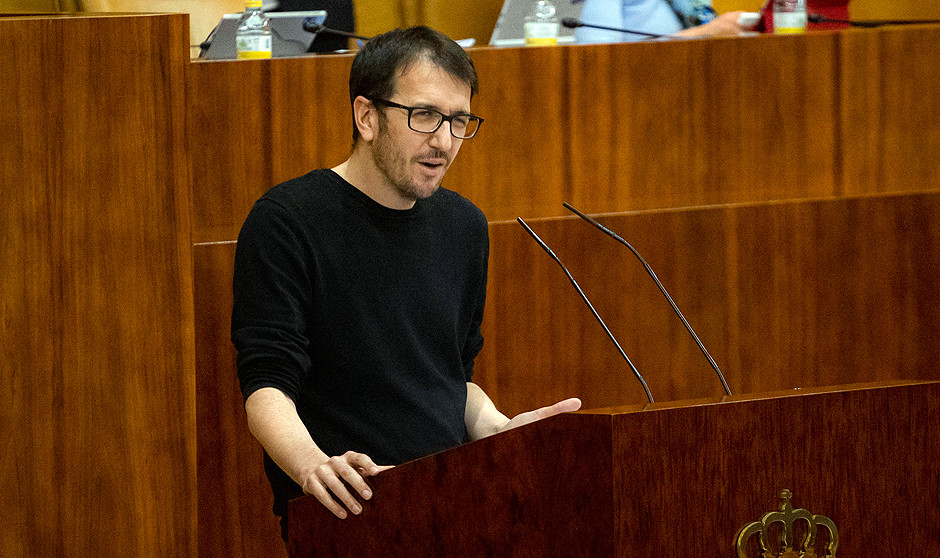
[[427, 120]]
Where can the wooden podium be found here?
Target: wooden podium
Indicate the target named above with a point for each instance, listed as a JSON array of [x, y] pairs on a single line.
[[677, 479]]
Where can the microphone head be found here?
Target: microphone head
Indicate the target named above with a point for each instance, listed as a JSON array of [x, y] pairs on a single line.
[[571, 22], [311, 26]]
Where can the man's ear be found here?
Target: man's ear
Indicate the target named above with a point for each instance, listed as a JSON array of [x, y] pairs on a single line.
[[366, 118]]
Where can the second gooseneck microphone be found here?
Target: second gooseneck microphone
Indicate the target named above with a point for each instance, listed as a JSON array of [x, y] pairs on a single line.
[[310, 26], [591, 306], [662, 289]]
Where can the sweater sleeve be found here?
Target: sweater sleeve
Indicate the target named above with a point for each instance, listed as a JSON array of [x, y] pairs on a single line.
[[271, 297], [474, 341]]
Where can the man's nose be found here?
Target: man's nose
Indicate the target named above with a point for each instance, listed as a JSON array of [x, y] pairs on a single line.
[[442, 138]]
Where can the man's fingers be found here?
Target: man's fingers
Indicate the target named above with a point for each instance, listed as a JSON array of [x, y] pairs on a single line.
[[336, 486], [332, 480], [354, 479], [324, 497], [363, 463], [566, 406]]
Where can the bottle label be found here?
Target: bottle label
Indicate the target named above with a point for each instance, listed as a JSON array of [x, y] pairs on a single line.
[[254, 47], [538, 33], [789, 22]]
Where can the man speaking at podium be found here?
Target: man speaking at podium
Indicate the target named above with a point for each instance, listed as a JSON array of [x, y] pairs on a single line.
[[359, 290]]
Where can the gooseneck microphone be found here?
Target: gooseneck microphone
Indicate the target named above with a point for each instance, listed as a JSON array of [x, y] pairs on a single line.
[[312, 27], [572, 23], [662, 289], [591, 306]]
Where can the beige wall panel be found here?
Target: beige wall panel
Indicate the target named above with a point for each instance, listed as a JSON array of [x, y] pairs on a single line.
[[37, 6], [203, 14], [895, 9], [464, 19], [378, 16]]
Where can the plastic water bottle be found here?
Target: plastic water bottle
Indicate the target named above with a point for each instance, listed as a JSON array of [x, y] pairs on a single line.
[[253, 36], [789, 16], [541, 24]]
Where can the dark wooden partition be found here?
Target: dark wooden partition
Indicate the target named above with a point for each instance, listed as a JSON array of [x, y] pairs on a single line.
[[97, 408], [235, 500], [678, 479]]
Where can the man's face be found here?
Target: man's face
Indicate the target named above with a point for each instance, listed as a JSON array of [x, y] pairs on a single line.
[[413, 164]]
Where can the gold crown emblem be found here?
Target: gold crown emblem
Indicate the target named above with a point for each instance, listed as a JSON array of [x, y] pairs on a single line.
[[786, 525]]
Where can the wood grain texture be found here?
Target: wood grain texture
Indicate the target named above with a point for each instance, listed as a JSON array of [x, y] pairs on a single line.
[[698, 122], [608, 127], [890, 116], [794, 294], [690, 477], [764, 124], [785, 295], [681, 479], [235, 497], [98, 416], [533, 492], [255, 123]]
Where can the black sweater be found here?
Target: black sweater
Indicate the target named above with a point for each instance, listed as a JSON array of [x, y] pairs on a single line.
[[367, 317]]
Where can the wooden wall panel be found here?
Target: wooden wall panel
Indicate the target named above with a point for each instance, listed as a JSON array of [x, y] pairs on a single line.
[[28, 283], [890, 115], [235, 498], [522, 143], [230, 143], [637, 126], [783, 295], [254, 123], [700, 122], [609, 127], [311, 119], [97, 329]]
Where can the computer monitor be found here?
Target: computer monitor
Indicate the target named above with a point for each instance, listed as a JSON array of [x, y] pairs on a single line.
[[510, 27], [287, 30]]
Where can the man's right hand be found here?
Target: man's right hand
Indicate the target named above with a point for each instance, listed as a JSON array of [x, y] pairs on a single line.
[[332, 479], [272, 418]]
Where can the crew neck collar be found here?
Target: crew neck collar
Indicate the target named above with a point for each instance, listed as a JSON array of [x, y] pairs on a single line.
[[377, 208]]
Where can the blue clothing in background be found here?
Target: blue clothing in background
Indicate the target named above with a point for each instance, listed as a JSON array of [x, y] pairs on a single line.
[[662, 17]]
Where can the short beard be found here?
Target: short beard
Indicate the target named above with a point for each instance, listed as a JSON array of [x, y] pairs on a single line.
[[383, 153]]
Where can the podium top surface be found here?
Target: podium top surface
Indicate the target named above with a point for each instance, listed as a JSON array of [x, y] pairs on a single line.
[[746, 397]]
